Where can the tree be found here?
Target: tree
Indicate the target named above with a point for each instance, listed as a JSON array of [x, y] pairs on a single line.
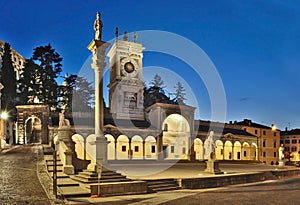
[[50, 64], [179, 94], [29, 83], [157, 84], [65, 92], [83, 96], [155, 93], [8, 80]]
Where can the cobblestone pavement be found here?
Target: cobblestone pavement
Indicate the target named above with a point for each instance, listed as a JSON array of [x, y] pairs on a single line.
[[18, 176], [284, 191]]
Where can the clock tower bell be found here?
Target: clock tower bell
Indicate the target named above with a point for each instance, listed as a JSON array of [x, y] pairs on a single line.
[[126, 84]]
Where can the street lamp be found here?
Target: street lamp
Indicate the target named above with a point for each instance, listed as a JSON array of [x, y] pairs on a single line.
[[274, 127], [4, 115]]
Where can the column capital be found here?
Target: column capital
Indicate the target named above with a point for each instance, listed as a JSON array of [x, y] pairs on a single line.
[[96, 44]]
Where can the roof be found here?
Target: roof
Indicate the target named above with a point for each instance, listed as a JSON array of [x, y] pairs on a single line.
[[249, 123], [290, 132], [217, 127]]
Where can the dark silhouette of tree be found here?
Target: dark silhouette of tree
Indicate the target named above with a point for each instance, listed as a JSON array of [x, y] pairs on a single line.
[[157, 84], [179, 94], [65, 92], [50, 64], [29, 83], [156, 93], [8, 80], [83, 96]]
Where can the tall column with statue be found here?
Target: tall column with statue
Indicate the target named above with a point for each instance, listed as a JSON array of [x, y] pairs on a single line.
[[98, 48], [212, 165], [281, 156]]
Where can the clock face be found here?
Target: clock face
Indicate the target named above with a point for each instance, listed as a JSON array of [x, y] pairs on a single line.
[[129, 67]]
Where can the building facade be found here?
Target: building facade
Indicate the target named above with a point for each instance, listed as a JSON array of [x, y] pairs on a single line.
[[17, 59], [268, 140], [290, 139]]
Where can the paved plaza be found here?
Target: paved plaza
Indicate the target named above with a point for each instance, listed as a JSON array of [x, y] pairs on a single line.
[[21, 183]]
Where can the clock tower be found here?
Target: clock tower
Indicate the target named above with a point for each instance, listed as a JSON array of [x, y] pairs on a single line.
[[126, 84]]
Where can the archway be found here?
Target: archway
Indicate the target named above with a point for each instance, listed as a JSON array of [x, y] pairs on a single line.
[[228, 150], [150, 148], [176, 137], [219, 150], [79, 146], [33, 128], [198, 148], [90, 147], [253, 151], [137, 147], [111, 154], [123, 147], [246, 151], [36, 116], [237, 147]]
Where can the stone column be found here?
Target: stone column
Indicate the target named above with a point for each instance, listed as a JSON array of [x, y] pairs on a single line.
[[98, 48], [159, 145]]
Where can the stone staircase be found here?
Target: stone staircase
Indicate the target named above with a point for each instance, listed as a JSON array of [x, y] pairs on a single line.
[[158, 185], [66, 186], [90, 177]]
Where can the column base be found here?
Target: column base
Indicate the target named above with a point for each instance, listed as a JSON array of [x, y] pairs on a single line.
[[280, 165], [69, 169], [212, 167]]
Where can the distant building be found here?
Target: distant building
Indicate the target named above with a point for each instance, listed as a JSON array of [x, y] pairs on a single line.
[[17, 59], [291, 142], [268, 140]]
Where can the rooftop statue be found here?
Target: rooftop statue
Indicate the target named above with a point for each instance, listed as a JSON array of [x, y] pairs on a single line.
[[98, 27]]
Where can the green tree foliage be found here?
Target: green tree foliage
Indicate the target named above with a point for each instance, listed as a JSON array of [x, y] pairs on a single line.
[[179, 94], [65, 92], [8, 80], [156, 93], [83, 96], [50, 64], [29, 82]]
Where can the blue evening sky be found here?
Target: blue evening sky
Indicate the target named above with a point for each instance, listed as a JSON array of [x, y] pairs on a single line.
[[254, 45]]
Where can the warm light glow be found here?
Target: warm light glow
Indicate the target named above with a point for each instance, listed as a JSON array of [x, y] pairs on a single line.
[[273, 127], [4, 115]]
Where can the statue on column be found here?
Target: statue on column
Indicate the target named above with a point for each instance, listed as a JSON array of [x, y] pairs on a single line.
[[209, 146], [281, 152], [212, 165], [98, 27], [62, 120]]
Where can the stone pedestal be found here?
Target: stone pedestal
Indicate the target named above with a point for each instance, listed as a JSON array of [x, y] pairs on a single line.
[[68, 168], [101, 154], [281, 165], [212, 167]]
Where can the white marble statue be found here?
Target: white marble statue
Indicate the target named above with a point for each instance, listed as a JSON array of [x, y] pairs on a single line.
[[62, 120], [281, 152], [209, 146]]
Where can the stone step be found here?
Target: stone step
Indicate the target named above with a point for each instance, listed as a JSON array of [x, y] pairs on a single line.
[[154, 186], [63, 182], [61, 175], [165, 189], [161, 182], [75, 191], [91, 181], [50, 163], [102, 176], [162, 185], [51, 170]]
